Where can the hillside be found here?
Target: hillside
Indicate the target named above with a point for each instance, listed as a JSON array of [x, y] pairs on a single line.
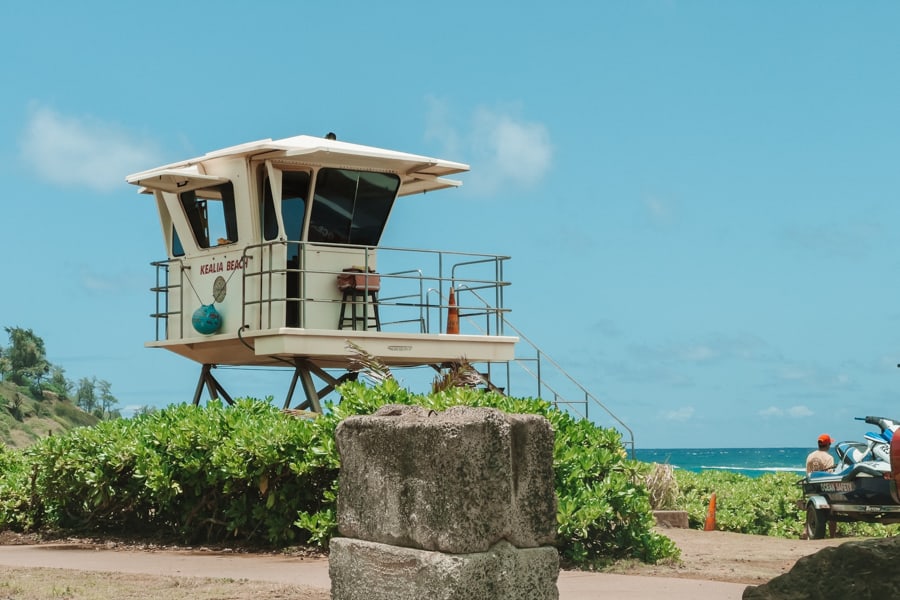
[[26, 420]]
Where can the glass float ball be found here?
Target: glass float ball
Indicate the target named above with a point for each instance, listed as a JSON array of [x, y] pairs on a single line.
[[206, 319]]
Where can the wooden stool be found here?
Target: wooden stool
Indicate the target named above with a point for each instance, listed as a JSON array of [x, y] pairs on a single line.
[[359, 290]]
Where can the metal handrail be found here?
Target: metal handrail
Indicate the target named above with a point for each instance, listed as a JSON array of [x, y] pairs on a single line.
[[264, 272], [557, 397], [161, 294]]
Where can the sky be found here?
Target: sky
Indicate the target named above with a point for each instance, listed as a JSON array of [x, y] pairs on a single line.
[[700, 198]]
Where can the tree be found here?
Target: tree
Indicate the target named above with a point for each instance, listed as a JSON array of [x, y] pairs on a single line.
[[25, 361], [86, 397], [17, 404], [107, 401], [145, 410], [58, 382]]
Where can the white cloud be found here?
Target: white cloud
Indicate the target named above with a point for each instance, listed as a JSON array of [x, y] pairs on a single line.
[[679, 414], [660, 212], [606, 328], [795, 373], [799, 412], [87, 152], [819, 377], [99, 283], [835, 240], [794, 412], [710, 348], [440, 129], [506, 150], [648, 373], [699, 353], [130, 410]]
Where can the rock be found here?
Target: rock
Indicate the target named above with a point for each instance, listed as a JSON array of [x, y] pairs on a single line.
[[864, 569]]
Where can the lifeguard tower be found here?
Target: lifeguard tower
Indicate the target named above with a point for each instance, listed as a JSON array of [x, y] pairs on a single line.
[[275, 258]]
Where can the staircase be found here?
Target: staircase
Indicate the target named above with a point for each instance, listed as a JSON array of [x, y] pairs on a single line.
[[535, 374]]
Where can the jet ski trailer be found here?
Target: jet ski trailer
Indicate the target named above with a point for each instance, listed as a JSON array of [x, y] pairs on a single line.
[[862, 487], [275, 258]]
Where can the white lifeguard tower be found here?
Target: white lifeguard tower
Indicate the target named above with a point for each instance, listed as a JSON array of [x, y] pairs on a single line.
[[275, 258]]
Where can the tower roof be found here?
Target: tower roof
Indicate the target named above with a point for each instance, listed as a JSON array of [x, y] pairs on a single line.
[[417, 173]]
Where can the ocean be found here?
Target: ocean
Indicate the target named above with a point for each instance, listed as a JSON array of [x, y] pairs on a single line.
[[747, 461]]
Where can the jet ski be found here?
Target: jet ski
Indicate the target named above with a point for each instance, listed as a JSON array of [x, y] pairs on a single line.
[[861, 486]]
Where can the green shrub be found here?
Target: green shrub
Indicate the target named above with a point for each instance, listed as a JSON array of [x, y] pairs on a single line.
[[204, 474], [14, 490], [765, 505], [771, 504], [603, 507], [252, 473]]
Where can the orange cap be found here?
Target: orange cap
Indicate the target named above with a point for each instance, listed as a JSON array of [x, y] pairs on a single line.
[[825, 439]]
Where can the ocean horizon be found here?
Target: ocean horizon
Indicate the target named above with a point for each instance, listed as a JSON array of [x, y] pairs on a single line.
[[752, 462]]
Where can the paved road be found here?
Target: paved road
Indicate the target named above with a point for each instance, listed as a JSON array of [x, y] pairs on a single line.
[[573, 585]]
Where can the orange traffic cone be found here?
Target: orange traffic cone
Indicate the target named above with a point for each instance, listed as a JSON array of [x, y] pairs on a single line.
[[452, 314], [711, 514]]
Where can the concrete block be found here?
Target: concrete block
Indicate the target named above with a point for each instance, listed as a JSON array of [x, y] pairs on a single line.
[[457, 481], [671, 518], [362, 570]]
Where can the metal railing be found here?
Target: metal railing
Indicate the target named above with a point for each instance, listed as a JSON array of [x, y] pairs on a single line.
[[549, 377], [419, 299], [275, 288], [162, 292]]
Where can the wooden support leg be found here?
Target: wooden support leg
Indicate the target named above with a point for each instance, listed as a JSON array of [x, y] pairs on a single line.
[[203, 373], [312, 395], [290, 394], [303, 371], [212, 385]]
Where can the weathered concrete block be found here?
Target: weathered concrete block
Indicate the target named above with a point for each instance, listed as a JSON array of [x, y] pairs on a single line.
[[457, 481], [671, 518], [362, 570]]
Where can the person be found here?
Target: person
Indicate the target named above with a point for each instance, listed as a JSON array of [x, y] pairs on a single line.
[[822, 460]]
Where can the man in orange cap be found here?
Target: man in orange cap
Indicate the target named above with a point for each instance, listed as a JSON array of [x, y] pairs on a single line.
[[822, 460]]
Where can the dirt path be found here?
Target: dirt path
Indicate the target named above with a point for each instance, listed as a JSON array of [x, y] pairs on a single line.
[[180, 573], [734, 557]]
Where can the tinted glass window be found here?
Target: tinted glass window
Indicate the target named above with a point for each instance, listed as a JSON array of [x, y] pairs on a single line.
[[351, 207], [211, 214], [177, 248], [295, 190]]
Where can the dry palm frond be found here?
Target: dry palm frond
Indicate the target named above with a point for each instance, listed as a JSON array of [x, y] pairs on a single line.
[[663, 487], [367, 364], [458, 374], [299, 414]]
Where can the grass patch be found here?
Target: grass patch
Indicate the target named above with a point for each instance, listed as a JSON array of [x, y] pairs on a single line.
[[72, 416]]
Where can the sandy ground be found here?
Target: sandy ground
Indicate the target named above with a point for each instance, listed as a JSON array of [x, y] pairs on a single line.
[[733, 557], [708, 556]]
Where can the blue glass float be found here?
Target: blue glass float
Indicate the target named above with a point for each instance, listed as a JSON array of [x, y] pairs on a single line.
[[206, 319]]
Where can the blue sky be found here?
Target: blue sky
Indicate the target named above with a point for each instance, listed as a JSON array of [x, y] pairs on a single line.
[[699, 198]]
